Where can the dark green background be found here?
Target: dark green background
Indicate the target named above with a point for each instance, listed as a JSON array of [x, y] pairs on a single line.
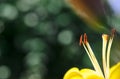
[[39, 39]]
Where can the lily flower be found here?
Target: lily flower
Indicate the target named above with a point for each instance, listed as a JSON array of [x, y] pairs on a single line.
[[97, 73]]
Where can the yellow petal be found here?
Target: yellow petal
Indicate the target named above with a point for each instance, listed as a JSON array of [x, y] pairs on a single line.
[[73, 73], [90, 74], [115, 72]]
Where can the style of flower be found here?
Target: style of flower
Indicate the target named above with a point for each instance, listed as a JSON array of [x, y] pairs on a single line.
[[107, 73]]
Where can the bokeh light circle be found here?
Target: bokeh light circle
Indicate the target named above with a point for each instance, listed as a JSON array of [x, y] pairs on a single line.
[[4, 72], [31, 19], [8, 11], [65, 37]]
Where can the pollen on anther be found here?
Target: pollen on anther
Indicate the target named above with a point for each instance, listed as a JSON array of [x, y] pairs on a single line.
[[105, 36], [85, 38], [80, 42]]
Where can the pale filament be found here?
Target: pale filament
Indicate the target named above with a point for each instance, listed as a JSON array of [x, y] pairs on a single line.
[[91, 55], [105, 40]]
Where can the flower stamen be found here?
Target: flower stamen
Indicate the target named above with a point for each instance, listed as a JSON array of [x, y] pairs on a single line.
[[107, 43], [91, 55], [105, 40], [108, 53], [106, 47]]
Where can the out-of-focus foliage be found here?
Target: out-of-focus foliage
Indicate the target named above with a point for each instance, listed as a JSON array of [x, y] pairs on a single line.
[[39, 39]]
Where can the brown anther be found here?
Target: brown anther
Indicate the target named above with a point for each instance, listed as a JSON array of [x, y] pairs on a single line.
[[113, 32], [80, 42], [85, 38]]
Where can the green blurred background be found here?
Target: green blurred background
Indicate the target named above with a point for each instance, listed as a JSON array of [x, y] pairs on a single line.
[[39, 39]]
